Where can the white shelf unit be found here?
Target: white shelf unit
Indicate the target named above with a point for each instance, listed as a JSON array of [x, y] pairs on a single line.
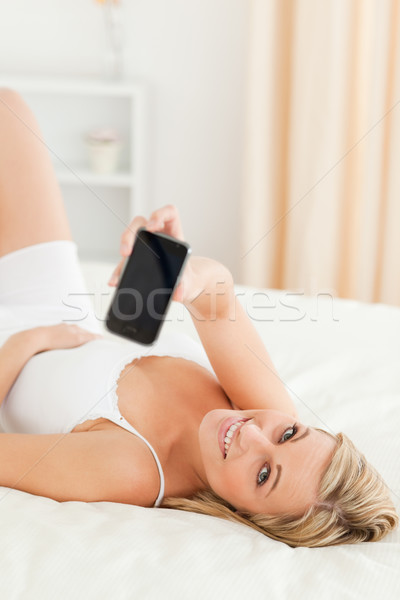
[[99, 207]]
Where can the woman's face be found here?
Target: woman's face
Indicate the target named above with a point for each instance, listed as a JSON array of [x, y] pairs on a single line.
[[269, 463]]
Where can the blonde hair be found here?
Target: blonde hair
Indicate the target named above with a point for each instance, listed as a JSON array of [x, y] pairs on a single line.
[[353, 505]]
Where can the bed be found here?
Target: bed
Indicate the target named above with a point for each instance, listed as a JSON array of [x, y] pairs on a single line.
[[341, 362]]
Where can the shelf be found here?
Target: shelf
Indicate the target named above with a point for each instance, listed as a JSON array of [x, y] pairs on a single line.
[[77, 175], [99, 207], [61, 85]]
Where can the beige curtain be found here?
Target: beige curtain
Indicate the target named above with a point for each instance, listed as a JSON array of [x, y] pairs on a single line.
[[321, 201]]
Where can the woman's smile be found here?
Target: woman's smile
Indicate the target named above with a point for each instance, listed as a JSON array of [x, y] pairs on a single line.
[[248, 441], [227, 431]]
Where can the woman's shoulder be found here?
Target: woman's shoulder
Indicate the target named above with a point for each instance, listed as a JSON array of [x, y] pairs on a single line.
[[140, 479], [112, 467]]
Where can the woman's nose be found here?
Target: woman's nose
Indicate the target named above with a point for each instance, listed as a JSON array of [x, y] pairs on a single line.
[[250, 435]]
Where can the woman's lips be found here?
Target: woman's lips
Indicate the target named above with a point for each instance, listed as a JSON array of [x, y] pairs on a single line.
[[226, 423]]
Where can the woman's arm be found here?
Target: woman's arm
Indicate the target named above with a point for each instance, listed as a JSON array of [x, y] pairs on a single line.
[[21, 346], [234, 348], [91, 466], [14, 354]]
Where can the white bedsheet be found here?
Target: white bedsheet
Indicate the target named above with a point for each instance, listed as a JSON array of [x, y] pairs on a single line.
[[341, 363]]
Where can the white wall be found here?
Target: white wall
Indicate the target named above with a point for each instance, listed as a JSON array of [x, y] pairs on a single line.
[[193, 55]]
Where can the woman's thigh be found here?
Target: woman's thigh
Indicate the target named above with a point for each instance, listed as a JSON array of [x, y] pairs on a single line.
[[31, 206]]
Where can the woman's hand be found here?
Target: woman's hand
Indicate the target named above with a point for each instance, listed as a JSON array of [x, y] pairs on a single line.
[[163, 220], [201, 279], [54, 337], [21, 346]]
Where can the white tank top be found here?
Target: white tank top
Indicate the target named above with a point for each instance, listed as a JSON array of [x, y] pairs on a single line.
[[59, 389]]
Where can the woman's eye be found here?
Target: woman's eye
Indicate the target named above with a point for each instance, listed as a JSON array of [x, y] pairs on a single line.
[[289, 433], [263, 475]]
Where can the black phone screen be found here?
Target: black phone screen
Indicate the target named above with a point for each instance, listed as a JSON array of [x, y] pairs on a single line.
[[139, 305]]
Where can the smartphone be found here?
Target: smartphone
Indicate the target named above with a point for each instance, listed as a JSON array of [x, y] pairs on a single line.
[[151, 273]]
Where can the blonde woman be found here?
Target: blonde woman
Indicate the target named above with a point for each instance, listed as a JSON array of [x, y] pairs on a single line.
[[206, 428]]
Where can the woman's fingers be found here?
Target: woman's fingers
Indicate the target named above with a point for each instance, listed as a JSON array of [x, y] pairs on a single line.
[[163, 220], [128, 236], [76, 336], [166, 220], [63, 335], [113, 281], [127, 240]]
